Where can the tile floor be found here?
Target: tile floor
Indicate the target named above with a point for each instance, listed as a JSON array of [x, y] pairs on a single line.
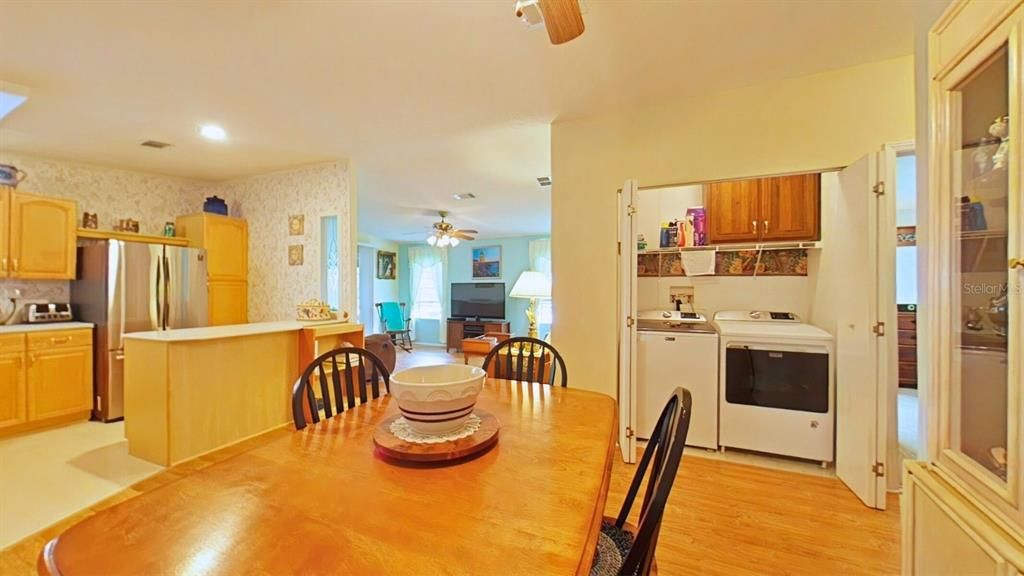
[[47, 475]]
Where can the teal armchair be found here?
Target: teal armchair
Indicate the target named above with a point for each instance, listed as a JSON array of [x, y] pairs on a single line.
[[395, 323]]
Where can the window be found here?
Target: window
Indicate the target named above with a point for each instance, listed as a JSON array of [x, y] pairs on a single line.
[[544, 313], [330, 282], [426, 302]]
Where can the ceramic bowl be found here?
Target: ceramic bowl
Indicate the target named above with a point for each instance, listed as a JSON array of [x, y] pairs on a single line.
[[437, 399]]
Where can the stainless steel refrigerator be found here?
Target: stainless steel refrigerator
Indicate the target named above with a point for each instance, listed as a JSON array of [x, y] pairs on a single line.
[[125, 287]]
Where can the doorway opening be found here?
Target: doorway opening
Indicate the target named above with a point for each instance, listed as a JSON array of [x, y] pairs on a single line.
[[365, 264], [907, 405]]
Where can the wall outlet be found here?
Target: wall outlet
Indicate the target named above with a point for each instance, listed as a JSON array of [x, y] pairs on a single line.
[[682, 293]]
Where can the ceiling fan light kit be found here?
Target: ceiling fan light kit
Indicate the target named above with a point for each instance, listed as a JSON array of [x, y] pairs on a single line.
[[445, 234]]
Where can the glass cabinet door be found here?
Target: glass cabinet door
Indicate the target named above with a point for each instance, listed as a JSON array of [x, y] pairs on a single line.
[[983, 223]]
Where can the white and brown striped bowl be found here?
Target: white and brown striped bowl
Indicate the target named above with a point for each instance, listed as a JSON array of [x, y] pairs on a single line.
[[437, 399]]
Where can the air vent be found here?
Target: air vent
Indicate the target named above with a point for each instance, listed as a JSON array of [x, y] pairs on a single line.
[[466, 196], [156, 144], [544, 181]]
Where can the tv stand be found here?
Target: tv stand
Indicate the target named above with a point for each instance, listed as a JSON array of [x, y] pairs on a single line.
[[459, 328]]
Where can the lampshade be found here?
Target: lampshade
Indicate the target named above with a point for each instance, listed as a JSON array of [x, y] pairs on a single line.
[[531, 284]]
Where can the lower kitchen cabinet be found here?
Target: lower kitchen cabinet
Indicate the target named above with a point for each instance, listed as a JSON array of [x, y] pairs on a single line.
[[12, 389], [228, 303], [46, 378], [59, 383]]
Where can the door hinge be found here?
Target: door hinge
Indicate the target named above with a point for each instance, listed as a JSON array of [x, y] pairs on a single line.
[[879, 329], [619, 248], [879, 469], [630, 210], [629, 432], [629, 321], [879, 189]]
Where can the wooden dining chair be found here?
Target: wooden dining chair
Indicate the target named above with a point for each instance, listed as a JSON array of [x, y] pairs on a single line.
[[346, 363], [622, 548], [526, 360]]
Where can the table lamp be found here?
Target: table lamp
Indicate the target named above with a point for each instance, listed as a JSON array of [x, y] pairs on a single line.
[[532, 285]]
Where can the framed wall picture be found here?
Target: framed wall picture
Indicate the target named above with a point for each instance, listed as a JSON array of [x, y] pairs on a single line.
[[386, 265], [487, 262]]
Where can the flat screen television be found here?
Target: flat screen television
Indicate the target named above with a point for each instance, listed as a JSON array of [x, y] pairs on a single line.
[[478, 300]]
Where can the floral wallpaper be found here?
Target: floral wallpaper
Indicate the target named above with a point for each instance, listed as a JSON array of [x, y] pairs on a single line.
[[266, 202], [790, 262]]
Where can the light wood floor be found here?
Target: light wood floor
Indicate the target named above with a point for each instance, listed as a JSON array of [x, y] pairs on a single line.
[[722, 518]]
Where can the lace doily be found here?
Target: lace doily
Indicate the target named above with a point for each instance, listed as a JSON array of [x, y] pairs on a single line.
[[401, 429]]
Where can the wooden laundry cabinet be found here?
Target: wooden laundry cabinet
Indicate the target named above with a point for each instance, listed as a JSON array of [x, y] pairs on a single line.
[[773, 209]]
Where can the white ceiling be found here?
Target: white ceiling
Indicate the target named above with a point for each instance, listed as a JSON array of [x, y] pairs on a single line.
[[426, 98]]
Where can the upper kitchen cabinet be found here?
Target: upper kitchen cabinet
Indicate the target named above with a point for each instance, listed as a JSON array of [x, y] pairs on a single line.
[[39, 239], [790, 207], [734, 211], [783, 208], [226, 241]]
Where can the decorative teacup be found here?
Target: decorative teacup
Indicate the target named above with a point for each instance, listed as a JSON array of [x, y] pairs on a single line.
[[437, 399], [10, 175]]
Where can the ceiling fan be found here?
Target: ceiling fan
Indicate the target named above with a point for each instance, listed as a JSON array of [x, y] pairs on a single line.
[[445, 234], [562, 18]]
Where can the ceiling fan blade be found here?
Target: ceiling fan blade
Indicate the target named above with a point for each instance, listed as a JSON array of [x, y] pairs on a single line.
[[563, 19], [467, 231], [462, 236]]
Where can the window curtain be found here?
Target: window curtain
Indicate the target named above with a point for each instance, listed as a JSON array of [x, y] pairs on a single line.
[[540, 261], [420, 259]]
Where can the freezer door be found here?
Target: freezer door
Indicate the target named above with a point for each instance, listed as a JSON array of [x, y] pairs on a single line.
[[185, 301], [113, 398], [141, 282]]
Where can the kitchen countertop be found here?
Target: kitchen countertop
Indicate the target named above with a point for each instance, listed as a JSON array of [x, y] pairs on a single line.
[[45, 327], [231, 331]]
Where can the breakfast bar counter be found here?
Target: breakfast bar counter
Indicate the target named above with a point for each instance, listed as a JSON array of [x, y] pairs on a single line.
[[194, 390]]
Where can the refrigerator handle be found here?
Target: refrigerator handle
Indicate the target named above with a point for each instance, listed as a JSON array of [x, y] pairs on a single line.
[[159, 301], [167, 292]]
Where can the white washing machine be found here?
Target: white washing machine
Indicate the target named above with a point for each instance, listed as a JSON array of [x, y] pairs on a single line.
[[777, 385], [677, 349]]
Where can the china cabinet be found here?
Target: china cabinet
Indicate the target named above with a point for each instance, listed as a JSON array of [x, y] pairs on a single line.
[[963, 508]]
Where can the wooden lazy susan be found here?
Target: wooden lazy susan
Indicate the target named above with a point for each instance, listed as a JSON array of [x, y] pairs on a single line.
[[393, 447]]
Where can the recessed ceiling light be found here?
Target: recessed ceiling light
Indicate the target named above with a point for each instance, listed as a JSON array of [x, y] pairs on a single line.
[[212, 132], [466, 196], [11, 96]]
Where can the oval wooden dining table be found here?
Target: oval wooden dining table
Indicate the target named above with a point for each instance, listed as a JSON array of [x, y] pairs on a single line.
[[323, 501]]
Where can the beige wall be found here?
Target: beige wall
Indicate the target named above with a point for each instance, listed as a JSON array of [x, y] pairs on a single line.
[[813, 122]]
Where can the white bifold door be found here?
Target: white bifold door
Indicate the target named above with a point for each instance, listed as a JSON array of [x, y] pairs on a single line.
[[858, 272], [627, 321]]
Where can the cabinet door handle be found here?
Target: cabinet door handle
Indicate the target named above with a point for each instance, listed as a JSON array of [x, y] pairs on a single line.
[[765, 226], [3, 263], [31, 359], [60, 340], [754, 222], [14, 264]]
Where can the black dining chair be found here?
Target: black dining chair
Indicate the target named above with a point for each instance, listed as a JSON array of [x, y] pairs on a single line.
[[527, 360], [348, 363], [622, 549]]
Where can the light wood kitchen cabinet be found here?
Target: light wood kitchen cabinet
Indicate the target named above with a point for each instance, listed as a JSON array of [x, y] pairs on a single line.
[[733, 211], [39, 238], [228, 303], [226, 241], [790, 208], [781, 208], [12, 389], [5, 241], [46, 378]]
